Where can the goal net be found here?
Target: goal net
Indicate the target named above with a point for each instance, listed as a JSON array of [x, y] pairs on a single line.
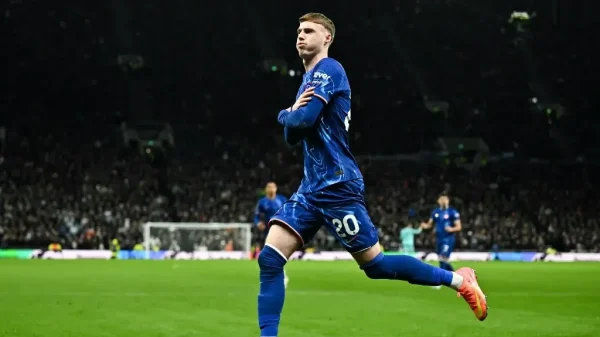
[[173, 240]]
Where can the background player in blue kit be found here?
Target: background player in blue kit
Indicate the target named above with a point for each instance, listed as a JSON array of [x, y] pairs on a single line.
[[265, 208], [332, 190], [447, 224]]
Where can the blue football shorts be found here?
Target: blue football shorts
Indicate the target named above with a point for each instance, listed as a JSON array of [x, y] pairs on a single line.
[[444, 247], [340, 208]]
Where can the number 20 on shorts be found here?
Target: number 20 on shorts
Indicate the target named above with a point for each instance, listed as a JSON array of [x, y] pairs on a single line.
[[348, 226]]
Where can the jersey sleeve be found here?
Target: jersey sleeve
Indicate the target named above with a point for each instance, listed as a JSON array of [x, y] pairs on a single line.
[[327, 79], [432, 215], [455, 215], [304, 117]]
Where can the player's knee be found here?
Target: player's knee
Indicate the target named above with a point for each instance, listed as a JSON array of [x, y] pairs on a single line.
[[282, 237], [376, 269], [271, 260]]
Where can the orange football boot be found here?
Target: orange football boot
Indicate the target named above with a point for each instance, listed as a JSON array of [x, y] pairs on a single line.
[[470, 291]]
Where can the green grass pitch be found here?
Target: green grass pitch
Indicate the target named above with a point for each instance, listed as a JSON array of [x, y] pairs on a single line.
[[324, 299]]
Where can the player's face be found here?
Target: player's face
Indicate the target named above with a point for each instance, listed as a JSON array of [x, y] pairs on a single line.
[[271, 189], [443, 201], [311, 39]]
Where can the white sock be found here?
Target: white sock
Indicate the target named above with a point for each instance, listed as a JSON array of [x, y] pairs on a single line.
[[457, 281]]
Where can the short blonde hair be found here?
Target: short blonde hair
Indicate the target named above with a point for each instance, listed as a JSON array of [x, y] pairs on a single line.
[[320, 19]]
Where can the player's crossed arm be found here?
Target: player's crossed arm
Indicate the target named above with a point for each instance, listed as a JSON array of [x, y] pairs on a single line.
[[304, 98], [304, 113], [293, 135]]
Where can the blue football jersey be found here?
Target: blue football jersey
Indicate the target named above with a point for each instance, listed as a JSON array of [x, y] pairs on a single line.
[[266, 208], [327, 156], [444, 218]]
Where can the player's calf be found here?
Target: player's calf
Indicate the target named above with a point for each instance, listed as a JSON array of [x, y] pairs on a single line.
[[407, 268], [272, 289], [280, 244]]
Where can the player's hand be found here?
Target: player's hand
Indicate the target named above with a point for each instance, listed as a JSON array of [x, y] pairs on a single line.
[[448, 229], [261, 226], [304, 98]]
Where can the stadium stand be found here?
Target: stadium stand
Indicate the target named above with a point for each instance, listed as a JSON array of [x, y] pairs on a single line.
[[70, 174]]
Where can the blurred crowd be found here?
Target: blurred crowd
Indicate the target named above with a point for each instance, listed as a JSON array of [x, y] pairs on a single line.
[[67, 175], [84, 199], [513, 206]]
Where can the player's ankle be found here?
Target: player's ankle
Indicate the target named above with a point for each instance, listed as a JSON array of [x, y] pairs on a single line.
[[457, 281]]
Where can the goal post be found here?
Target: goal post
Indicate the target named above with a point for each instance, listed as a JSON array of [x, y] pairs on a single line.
[[194, 237]]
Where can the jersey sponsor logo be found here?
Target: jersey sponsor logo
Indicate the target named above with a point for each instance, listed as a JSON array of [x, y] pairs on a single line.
[[445, 216], [321, 75]]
